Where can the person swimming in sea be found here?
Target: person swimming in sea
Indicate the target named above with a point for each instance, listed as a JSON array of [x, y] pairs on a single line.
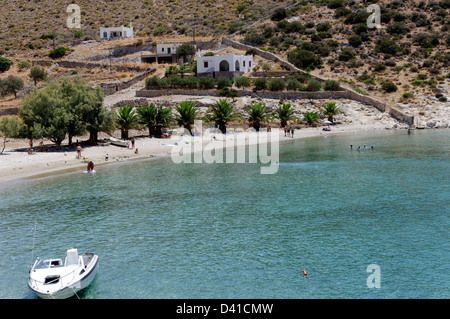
[[90, 166]]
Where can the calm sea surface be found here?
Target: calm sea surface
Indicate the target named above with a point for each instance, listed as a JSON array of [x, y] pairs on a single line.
[[165, 230]]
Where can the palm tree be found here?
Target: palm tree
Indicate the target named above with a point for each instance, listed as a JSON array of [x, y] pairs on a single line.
[[330, 109], [126, 119], [147, 117], [284, 113], [257, 114], [183, 69], [311, 118], [163, 117], [187, 112], [222, 112]]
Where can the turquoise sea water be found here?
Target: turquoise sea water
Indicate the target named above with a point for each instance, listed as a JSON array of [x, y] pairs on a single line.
[[165, 230]]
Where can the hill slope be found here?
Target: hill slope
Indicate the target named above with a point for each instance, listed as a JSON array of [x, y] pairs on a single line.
[[22, 23]]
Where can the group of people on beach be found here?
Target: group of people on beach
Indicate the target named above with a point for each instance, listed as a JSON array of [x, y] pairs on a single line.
[[289, 131], [31, 150], [359, 147]]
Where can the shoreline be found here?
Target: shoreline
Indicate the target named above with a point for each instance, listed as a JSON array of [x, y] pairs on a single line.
[[18, 166]]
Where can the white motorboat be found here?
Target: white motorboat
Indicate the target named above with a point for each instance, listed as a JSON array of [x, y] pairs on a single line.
[[117, 142], [51, 279]]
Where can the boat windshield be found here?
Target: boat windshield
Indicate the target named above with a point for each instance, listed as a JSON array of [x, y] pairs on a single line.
[[48, 263]]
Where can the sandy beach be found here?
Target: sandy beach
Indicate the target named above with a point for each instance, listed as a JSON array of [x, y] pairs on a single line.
[[17, 164]]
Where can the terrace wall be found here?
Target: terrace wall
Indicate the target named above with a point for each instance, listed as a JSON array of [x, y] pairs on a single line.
[[113, 87]]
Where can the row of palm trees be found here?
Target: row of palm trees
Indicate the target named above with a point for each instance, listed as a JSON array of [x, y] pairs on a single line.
[[155, 118]]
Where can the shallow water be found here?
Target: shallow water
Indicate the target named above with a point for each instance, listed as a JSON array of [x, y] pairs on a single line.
[[165, 230]]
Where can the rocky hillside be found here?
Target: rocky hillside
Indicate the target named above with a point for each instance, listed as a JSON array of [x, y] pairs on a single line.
[[405, 62], [26, 24]]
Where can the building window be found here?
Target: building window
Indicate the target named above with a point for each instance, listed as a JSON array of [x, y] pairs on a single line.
[[162, 49], [249, 64], [205, 64], [243, 63]]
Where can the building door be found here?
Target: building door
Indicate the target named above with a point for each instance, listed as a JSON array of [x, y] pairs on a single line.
[[224, 66]]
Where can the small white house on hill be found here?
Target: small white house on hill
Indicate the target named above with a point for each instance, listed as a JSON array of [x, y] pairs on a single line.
[[117, 32], [230, 64], [167, 48]]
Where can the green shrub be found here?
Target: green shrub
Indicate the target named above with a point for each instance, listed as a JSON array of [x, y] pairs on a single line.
[[303, 58], [331, 85], [279, 14], [242, 82], [155, 82], [277, 84], [426, 41], [313, 85], [355, 41], [227, 92], [206, 82], [5, 64], [389, 63], [58, 52], [389, 87], [78, 34], [379, 67], [223, 82], [407, 95], [342, 12], [250, 52], [260, 83], [254, 39], [323, 27], [422, 77], [11, 85], [397, 28], [356, 17], [48, 36], [23, 65], [38, 74], [346, 55], [189, 82], [360, 29], [293, 84], [387, 46], [334, 4]]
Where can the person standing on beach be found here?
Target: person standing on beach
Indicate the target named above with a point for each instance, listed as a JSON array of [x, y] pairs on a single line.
[[132, 142], [78, 151], [292, 131]]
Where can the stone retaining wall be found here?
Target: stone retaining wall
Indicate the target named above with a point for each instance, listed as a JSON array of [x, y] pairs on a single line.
[[276, 95], [400, 116], [272, 74], [113, 87], [88, 65]]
